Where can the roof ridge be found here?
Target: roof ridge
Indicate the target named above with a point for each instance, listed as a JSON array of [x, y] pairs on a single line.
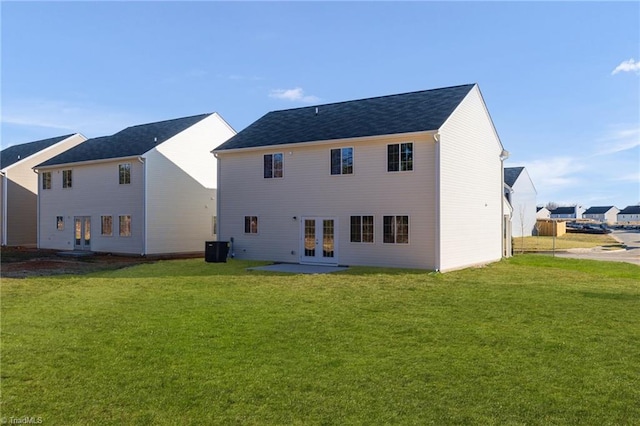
[[165, 121], [376, 97]]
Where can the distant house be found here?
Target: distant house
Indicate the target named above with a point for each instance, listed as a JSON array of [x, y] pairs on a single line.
[[522, 195], [543, 213], [19, 186], [411, 180], [603, 214], [571, 212], [148, 189], [630, 215]]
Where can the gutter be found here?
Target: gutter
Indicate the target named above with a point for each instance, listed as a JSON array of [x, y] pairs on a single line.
[[436, 253]]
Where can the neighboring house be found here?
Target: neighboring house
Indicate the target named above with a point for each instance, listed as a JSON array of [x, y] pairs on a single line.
[[148, 189], [19, 187], [409, 180], [543, 213], [603, 214], [630, 215], [522, 196], [571, 212]]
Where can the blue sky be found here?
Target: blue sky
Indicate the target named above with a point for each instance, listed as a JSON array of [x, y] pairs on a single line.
[[561, 80]]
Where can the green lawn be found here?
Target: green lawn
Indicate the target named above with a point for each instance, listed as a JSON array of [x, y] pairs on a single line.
[[531, 340]]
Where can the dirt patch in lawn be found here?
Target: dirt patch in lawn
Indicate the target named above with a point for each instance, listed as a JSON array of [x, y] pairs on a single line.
[[18, 262]]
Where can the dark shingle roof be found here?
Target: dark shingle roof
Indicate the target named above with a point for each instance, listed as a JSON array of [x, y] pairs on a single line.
[[630, 210], [564, 210], [511, 174], [15, 153], [403, 113], [132, 141], [598, 210]]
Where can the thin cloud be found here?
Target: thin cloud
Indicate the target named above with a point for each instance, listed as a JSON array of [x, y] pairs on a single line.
[[618, 141], [555, 173], [293, 95], [627, 66]]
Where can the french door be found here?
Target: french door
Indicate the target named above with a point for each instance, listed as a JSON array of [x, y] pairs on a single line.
[[82, 233], [318, 243]]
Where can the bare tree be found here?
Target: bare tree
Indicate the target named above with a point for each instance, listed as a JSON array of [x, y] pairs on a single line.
[[521, 213], [552, 205]]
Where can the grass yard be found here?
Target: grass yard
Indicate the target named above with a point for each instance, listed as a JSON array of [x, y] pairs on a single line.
[[530, 340], [567, 241]]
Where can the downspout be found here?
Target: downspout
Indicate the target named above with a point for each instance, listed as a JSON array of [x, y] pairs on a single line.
[[503, 237], [436, 253], [144, 206]]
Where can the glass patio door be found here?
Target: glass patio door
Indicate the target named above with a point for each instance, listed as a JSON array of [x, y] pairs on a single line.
[[318, 241], [82, 233]]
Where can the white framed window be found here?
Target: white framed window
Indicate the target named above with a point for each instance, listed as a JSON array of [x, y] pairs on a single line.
[[400, 157], [273, 166], [67, 178], [46, 180], [106, 226], [342, 161], [362, 229], [124, 173], [395, 229], [60, 223], [124, 225], [251, 224]]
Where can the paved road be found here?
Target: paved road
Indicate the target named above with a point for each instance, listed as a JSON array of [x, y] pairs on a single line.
[[628, 237]]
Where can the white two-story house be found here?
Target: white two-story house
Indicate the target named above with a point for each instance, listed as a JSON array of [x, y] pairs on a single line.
[[521, 193], [412, 180], [146, 190], [19, 187]]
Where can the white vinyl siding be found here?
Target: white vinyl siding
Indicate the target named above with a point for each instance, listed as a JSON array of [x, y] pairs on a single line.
[[22, 186], [523, 201], [470, 187], [311, 191], [96, 193], [181, 181]]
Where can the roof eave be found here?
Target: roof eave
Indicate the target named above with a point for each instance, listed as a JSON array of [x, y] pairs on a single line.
[[324, 142]]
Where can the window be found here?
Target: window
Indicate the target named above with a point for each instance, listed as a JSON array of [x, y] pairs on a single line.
[[124, 172], [46, 180], [214, 225], [396, 229], [273, 166], [125, 225], [106, 226], [400, 157], [60, 223], [251, 224], [361, 229], [66, 179], [342, 161]]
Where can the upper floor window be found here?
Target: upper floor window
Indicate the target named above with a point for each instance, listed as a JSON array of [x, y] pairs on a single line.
[[396, 229], [342, 161], [124, 171], [400, 157], [273, 165], [46, 180], [66, 179]]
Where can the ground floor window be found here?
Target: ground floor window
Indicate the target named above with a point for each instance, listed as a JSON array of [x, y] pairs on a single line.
[[396, 229], [106, 226], [251, 224], [60, 223], [361, 229], [125, 225]]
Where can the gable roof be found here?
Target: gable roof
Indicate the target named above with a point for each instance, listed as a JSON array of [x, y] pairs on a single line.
[[130, 142], [511, 174], [630, 210], [15, 153], [385, 115], [598, 209], [564, 210]]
